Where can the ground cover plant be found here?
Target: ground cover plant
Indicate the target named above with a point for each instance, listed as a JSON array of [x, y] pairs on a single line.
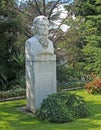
[[63, 107], [13, 119]]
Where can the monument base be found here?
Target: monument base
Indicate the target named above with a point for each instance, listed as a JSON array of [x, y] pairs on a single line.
[[40, 80]]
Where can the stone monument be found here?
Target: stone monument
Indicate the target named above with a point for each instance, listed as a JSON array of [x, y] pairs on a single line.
[[40, 65]]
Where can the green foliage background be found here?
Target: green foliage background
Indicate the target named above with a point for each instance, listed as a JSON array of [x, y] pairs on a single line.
[[80, 46], [11, 44], [91, 29]]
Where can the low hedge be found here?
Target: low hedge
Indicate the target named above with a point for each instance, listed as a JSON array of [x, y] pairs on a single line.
[[12, 93], [77, 84]]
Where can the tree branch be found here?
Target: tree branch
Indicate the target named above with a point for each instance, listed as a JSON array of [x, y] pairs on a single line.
[[21, 11], [69, 13], [37, 6], [44, 7], [53, 9]]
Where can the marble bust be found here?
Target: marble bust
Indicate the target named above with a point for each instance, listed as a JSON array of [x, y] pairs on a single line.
[[40, 65], [39, 43]]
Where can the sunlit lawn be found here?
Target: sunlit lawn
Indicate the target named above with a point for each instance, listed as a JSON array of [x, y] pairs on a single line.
[[13, 119]]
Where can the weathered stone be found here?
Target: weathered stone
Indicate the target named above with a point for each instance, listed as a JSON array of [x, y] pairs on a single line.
[[40, 65]]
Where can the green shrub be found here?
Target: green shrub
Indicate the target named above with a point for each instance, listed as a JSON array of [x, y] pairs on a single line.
[[78, 106], [62, 107]]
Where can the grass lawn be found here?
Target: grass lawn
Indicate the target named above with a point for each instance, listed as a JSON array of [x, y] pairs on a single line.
[[13, 119]]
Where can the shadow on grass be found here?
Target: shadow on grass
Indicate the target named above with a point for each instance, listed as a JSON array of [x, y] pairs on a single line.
[[12, 119]]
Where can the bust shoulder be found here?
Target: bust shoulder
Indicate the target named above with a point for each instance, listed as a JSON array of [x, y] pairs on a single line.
[[32, 39]]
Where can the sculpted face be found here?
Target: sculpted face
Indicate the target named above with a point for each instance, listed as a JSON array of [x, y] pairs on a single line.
[[42, 25], [42, 28]]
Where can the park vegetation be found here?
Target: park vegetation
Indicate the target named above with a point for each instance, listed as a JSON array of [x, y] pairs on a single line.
[[63, 107], [79, 47], [78, 53]]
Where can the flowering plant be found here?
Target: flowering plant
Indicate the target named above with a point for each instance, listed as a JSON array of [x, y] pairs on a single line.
[[94, 86]]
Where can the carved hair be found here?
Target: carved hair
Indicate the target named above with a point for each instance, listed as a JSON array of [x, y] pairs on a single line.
[[36, 21], [40, 19]]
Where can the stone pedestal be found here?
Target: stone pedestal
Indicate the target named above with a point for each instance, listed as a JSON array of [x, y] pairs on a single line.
[[40, 79]]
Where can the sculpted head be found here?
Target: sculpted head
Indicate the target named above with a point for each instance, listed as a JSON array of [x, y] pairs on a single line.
[[40, 25]]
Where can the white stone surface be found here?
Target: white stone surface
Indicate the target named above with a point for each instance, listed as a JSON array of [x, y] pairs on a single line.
[[40, 65], [33, 47], [41, 81]]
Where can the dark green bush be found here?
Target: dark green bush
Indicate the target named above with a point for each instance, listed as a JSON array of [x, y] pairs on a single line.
[[78, 106], [62, 107]]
